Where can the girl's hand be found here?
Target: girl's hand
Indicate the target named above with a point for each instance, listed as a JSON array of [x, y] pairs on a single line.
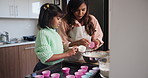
[[72, 51]]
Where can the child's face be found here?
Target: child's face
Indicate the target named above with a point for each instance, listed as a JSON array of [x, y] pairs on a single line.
[[81, 11], [56, 22]]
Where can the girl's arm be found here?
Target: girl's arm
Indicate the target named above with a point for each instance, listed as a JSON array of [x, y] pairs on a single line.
[[69, 53]]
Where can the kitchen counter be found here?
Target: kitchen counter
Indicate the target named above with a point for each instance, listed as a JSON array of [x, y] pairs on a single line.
[[74, 67], [15, 44]]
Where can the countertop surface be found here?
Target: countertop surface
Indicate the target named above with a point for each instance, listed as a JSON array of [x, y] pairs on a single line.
[[15, 44]]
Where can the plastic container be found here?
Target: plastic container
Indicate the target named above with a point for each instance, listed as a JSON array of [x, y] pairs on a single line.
[[66, 70], [82, 70], [93, 71], [78, 74], [55, 75], [84, 67], [70, 76], [85, 76], [89, 74], [46, 73], [39, 76], [91, 45], [95, 68]]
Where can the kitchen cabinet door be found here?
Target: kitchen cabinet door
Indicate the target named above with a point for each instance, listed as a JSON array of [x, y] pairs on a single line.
[[34, 7], [21, 8], [9, 59], [28, 59], [14, 8], [6, 8]]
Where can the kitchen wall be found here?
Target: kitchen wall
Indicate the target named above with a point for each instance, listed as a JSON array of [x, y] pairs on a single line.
[[129, 39], [18, 27]]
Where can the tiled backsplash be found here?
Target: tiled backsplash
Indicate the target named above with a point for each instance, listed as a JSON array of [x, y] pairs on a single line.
[[17, 28]]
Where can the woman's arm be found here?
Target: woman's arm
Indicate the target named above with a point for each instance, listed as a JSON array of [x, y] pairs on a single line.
[[98, 35], [83, 41]]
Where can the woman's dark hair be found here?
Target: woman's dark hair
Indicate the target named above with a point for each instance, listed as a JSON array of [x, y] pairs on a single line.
[[47, 12], [72, 7]]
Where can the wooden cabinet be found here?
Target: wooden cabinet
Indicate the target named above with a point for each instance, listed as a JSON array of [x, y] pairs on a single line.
[[27, 58], [17, 61], [9, 62]]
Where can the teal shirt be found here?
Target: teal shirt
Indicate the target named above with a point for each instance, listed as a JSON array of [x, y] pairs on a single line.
[[48, 42]]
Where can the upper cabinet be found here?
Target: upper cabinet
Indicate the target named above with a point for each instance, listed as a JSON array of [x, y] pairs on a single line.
[[14, 8], [21, 8], [6, 8], [34, 7]]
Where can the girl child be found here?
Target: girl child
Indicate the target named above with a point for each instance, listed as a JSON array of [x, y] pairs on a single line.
[[48, 44]]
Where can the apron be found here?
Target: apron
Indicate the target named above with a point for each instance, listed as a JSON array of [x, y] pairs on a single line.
[[78, 33]]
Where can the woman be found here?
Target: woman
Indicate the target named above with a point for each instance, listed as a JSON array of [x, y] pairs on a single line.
[[48, 45], [79, 27]]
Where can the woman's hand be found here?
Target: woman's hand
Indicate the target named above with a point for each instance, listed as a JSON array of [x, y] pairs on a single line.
[[72, 51], [97, 44], [84, 42]]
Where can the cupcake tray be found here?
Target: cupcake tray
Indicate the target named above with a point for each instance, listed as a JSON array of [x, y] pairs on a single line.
[[74, 66]]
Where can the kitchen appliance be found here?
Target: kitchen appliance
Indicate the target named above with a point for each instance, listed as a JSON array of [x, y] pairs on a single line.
[[94, 56], [29, 38]]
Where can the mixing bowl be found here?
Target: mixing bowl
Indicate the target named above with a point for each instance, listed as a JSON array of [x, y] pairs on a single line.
[[93, 56]]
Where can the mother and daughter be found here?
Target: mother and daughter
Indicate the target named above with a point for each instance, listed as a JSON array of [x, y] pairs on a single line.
[[58, 32]]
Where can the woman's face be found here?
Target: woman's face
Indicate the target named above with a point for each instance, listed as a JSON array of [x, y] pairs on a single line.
[[81, 11], [56, 22]]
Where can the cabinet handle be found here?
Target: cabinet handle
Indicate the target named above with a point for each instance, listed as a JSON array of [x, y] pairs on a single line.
[[29, 48], [13, 10], [16, 10], [9, 10]]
